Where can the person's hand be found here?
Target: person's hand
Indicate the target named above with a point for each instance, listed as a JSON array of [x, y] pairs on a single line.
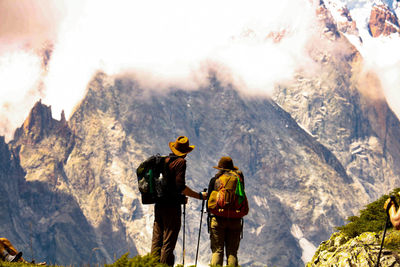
[[387, 204], [204, 194]]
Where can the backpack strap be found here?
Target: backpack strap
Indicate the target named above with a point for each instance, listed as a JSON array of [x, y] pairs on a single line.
[[222, 184], [169, 160]]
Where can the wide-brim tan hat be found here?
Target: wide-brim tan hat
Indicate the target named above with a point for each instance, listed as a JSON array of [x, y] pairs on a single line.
[[225, 164], [181, 146]]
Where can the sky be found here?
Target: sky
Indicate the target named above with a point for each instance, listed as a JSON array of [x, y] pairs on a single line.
[[162, 43]]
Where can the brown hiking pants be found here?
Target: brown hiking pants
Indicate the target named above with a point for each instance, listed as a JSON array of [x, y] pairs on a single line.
[[225, 233], [167, 224]]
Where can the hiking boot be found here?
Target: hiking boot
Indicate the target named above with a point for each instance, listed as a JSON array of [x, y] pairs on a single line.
[[17, 257]]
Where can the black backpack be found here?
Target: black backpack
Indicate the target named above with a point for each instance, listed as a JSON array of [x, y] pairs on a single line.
[[152, 175]]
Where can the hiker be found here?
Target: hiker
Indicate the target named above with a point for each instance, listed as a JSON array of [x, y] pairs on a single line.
[[393, 211], [8, 252], [167, 214], [225, 222]]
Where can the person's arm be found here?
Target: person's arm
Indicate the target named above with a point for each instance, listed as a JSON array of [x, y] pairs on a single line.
[[190, 193], [395, 217]]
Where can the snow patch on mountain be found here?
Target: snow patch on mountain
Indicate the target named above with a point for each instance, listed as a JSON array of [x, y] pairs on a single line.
[[307, 247]]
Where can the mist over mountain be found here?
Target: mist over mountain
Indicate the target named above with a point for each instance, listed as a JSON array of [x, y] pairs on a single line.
[[324, 144]]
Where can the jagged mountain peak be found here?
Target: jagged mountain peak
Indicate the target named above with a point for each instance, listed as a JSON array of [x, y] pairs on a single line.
[[37, 125], [383, 21], [40, 124]]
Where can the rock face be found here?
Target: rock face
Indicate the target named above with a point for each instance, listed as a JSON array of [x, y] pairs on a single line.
[[383, 21], [290, 176], [44, 222], [118, 125], [361, 251], [336, 15], [340, 109], [91, 172]]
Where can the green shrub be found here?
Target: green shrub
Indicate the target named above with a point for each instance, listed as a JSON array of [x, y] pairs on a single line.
[[371, 219]]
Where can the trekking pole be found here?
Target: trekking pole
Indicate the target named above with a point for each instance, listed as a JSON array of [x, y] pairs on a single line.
[[201, 218], [383, 238], [392, 199], [183, 237]]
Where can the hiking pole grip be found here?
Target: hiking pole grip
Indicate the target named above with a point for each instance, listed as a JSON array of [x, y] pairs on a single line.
[[389, 205], [393, 200]]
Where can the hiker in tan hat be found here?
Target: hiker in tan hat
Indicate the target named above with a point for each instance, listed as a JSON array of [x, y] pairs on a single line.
[[227, 205], [167, 215]]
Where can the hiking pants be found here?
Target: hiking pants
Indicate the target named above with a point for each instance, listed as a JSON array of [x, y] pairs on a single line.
[[225, 233], [167, 223]]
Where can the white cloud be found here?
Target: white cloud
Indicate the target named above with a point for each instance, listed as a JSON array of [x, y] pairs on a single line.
[[173, 43], [170, 42], [381, 56], [19, 73]]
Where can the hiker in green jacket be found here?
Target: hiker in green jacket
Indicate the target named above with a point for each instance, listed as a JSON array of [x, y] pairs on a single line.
[[225, 222], [167, 213]]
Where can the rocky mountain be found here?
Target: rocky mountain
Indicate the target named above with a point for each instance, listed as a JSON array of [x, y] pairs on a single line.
[[117, 125], [364, 19], [314, 153], [383, 21], [42, 220], [338, 105]]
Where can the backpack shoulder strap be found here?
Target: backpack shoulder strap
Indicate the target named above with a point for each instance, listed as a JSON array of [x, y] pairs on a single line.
[[170, 159]]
